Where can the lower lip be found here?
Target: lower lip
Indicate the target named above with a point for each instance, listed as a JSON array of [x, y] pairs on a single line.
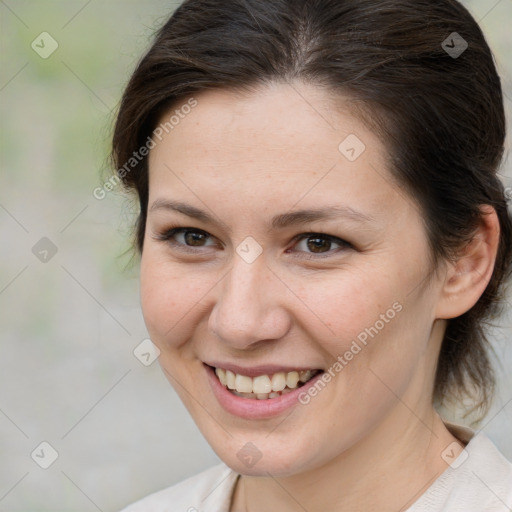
[[252, 408]]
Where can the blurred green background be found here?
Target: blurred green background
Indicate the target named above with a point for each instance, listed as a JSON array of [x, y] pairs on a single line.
[[71, 320]]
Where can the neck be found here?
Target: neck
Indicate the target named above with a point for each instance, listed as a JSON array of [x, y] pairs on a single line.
[[387, 471]]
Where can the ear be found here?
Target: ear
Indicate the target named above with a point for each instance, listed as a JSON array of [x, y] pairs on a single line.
[[467, 277]]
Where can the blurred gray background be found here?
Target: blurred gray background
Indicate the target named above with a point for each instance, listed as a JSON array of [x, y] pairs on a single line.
[[69, 305]]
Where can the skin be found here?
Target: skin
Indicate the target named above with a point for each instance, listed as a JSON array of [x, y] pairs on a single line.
[[371, 440]]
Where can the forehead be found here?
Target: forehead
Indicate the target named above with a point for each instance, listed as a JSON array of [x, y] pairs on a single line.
[[281, 145], [233, 124]]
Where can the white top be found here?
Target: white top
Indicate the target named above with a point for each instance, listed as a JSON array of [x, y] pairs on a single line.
[[478, 480]]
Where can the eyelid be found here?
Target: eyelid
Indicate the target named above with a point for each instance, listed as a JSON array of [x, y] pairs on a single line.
[[344, 245], [169, 232]]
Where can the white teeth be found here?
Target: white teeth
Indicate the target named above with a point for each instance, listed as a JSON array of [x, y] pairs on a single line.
[[221, 374], [243, 384], [230, 379], [245, 395], [278, 381], [292, 379], [263, 386]]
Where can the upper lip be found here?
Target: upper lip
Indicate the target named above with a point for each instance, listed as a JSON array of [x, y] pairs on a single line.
[[255, 371]]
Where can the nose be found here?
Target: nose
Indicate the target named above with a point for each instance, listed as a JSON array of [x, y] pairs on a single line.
[[249, 306]]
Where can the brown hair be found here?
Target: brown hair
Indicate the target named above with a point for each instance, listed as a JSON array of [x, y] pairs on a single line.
[[440, 115]]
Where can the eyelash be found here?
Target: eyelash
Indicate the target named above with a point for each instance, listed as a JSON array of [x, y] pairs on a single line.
[[168, 234]]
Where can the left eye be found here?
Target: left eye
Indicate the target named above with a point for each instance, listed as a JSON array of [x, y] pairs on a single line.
[[318, 243]]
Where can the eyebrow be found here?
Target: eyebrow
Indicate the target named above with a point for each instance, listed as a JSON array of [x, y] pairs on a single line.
[[280, 221]]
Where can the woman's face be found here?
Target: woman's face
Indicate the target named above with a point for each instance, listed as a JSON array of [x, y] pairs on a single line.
[[296, 251]]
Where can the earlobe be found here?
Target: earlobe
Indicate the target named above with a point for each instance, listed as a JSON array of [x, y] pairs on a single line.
[[468, 276]]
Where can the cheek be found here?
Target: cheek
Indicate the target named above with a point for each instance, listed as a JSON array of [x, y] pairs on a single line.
[[345, 305], [167, 298], [381, 336], [368, 321]]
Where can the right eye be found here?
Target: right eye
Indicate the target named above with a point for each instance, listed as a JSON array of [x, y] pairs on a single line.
[[187, 239]]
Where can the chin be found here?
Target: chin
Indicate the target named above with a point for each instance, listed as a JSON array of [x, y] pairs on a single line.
[[264, 454]]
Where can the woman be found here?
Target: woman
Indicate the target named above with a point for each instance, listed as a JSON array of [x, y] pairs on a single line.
[[322, 235]]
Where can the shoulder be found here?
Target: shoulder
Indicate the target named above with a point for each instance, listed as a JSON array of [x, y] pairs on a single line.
[[208, 490], [478, 480], [491, 473]]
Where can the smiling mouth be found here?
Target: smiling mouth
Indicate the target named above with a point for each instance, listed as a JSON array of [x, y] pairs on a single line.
[[264, 387]]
